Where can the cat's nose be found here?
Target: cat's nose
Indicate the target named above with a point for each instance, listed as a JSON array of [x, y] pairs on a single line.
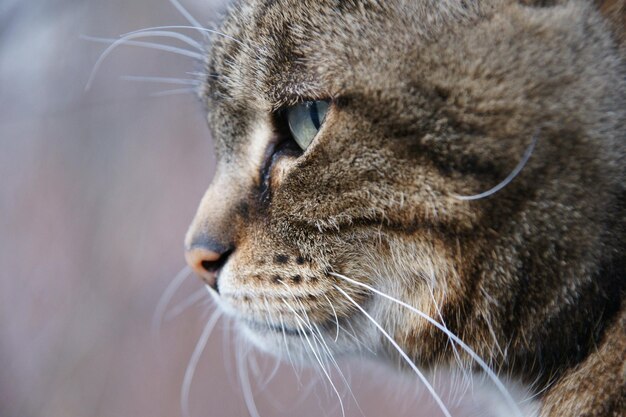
[[207, 258]]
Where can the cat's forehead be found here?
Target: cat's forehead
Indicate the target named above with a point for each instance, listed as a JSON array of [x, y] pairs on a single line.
[[269, 51], [276, 52]]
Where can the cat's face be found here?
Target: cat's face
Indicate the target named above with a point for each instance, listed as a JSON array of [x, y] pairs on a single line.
[[428, 101]]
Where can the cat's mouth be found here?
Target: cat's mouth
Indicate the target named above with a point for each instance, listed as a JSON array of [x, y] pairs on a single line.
[[282, 328]]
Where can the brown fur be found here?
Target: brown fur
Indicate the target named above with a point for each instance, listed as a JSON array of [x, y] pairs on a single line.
[[431, 99]]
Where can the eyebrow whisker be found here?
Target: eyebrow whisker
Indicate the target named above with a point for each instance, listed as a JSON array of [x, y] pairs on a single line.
[[164, 80], [181, 9], [114, 43], [173, 92], [199, 29]]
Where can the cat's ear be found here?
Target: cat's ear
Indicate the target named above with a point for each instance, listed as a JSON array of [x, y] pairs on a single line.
[[615, 12]]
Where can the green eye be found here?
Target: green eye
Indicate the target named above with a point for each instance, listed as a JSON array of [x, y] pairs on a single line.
[[305, 120]]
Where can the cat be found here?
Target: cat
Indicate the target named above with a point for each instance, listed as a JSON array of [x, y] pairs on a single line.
[[442, 181]]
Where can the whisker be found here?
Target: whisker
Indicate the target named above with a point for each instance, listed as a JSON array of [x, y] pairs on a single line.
[[507, 180], [421, 376], [352, 334], [174, 92], [193, 362], [313, 350], [336, 319], [253, 365], [324, 370], [204, 75], [165, 34], [457, 356], [505, 393], [202, 30], [304, 323], [310, 325], [293, 366], [170, 290], [181, 9], [114, 43], [227, 347], [300, 330], [180, 308], [197, 74], [246, 387], [270, 322], [336, 365], [127, 41], [531, 397], [164, 80]]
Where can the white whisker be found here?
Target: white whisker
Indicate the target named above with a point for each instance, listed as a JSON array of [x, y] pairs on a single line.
[[293, 366], [193, 362], [165, 34], [181, 9], [352, 334], [507, 180], [270, 322], [470, 351], [336, 319], [196, 74], [457, 356], [313, 350], [228, 347], [159, 312], [549, 384], [312, 328], [180, 308], [164, 80], [114, 43], [336, 366], [408, 360], [202, 30], [246, 387], [174, 92], [301, 331], [253, 365]]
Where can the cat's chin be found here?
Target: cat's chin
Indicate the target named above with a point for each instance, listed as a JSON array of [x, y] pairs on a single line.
[[267, 338], [284, 342]]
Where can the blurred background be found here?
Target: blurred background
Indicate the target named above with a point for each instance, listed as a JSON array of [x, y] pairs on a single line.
[[96, 191]]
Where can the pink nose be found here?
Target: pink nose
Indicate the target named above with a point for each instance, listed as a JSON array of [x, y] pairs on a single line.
[[206, 263]]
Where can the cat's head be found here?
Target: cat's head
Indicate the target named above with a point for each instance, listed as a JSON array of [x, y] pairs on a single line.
[[347, 134]]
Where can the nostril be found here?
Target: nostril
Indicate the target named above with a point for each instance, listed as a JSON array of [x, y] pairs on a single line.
[[214, 266], [210, 266], [207, 263]]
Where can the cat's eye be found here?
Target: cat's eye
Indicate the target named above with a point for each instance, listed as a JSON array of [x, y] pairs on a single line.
[[305, 120]]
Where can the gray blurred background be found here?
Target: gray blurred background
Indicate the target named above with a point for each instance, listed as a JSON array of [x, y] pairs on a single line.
[[96, 191]]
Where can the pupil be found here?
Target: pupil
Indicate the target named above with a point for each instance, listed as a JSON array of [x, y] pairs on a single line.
[[315, 115]]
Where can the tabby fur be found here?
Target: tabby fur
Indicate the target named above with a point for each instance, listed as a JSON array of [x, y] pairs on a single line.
[[431, 100]]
